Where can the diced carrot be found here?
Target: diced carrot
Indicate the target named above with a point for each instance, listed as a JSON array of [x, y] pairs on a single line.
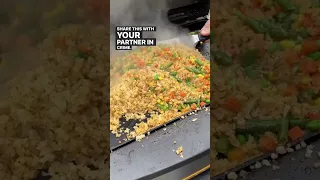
[[233, 104], [236, 155], [242, 10], [291, 57], [267, 143], [207, 83], [183, 94], [193, 106], [301, 86], [166, 99], [140, 63], [84, 48], [202, 104], [309, 46], [60, 43], [278, 8], [166, 49], [291, 91], [308, 20], [313, 116], [256, 3], [155, 65], [158, 53], [172, 95], [316, 80], [315, 32], [308, 66], [206, 76], [295, 133]]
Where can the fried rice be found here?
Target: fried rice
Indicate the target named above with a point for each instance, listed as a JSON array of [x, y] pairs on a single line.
[[278, 82], [165, 81], [54, 116]]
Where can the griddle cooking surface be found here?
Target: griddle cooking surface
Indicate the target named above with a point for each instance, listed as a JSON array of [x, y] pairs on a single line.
[[154, 155], [116, 143], [119, 142]]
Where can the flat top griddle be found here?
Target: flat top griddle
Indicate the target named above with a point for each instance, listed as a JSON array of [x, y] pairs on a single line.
[[118, 142], [155, 154]]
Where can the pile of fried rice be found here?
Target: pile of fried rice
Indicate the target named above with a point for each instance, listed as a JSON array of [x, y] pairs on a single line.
[[279, 83], [159, 81], [54, 116]]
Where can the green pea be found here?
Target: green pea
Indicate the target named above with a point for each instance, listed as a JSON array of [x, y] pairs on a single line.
[[223, 145], [157, 77], [173, 73], [315, 56], [242, 138], [274, 47], [207, 101], [313, 125]]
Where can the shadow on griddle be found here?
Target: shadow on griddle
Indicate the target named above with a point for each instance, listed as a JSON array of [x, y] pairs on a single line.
[[118, 142]]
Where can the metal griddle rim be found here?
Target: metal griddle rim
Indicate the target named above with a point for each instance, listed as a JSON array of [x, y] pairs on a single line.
[[309, 138], [156, 129], [176, 166]]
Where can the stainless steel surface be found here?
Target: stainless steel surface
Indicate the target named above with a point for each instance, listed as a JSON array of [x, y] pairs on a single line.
[[155, 156], [187, 170]]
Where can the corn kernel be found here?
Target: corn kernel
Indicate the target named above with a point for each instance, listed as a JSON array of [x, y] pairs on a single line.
[[287, 44], [271, 76], [200, 75], [306, 80], [159, 101], [160, 78], [317, 102], [60, 7], [297, 47]]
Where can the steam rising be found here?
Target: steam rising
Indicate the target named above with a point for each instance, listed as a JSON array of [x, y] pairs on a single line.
[[145, 13]]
